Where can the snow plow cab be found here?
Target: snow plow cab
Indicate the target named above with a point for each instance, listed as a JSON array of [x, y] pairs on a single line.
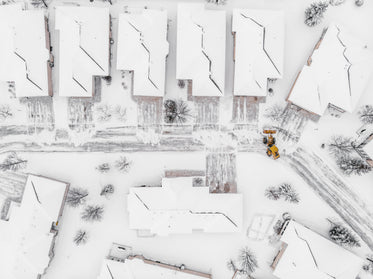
[[270, 141]]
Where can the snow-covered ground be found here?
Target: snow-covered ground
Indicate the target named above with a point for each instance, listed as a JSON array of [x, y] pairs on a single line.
[[255, 172]]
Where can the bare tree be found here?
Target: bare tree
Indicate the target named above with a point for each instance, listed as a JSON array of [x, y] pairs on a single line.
[[13, 162], [275, 113], [93, 213], [121, 113], [76, 196], [80, 237], [104, 113], [350, 165], [104, 167], [366, 114], [123, 164], [340, 146], [107, 190], [314, 14]]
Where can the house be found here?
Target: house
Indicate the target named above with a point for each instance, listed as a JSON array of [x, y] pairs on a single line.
[[143, 48], [336, 74], [178, 207], [258, 55], [141, 268], [200, 52], [25, 51], [27, 238], [306, 254], [84, 49]]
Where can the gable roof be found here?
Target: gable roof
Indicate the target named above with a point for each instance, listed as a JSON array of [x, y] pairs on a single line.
[[200, 53], [258, 50], [143, 48], [83, 48], [308, 255], [23, 50], [140, 268], [178, 208], [28, 232], [337, 73]]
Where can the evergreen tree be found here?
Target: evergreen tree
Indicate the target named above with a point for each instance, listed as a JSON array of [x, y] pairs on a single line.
[[247, 261], [285, 190], [314, 14], [343, 236], [13, 162], [366, 114]]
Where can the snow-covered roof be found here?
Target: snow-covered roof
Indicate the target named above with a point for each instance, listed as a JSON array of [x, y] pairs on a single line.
[[141, 268], [368, 148], [26, 239], [24, 53], [258, 50], [200, 53], [143, 48], [337, 73], [177, 207], [83, 48], [308, 255]]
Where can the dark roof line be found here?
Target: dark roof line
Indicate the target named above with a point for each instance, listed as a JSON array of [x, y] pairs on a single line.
[[27, 76], [36, 194]]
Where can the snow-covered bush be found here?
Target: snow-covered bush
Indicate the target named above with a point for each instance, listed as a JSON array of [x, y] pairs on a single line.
[[343, 236], [123, 164], [5, 112], [104, 167], [285, 191], [107, 190], [314, 14], [93, 213], [353, 165], [368, 267], [76, 196], [217, 2]]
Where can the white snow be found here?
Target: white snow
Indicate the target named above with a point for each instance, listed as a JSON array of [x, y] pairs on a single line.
[[308, 255], [23, 52], [337, 73], [141, 268], [200, 53], [83, 48], [143, 48], [258, 50], [28, 233], [177, 207]]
